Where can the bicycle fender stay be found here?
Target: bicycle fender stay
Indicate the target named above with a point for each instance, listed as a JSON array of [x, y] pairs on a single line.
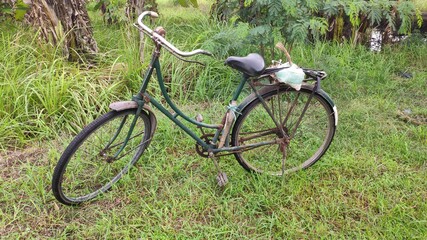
[[252, 97], [124, 105]]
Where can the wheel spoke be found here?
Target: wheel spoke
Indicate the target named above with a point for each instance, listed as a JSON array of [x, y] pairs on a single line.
[[257, 134], [138, 146], [308, 128], [119, 144]]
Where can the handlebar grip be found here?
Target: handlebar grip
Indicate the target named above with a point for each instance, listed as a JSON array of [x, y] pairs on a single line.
[[207, 53], [141, 24], [153, 14]]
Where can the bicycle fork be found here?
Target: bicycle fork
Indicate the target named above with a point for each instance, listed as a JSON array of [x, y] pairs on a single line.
[[138, 109]]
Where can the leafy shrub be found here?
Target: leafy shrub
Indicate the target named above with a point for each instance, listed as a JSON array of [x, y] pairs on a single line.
[[15, 9], [112, 10], [303, 20]]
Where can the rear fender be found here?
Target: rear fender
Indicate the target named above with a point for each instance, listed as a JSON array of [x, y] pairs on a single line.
[[252, 97], [124, 105]]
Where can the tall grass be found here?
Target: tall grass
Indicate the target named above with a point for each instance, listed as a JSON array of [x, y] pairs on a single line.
[[42, 92], [46, 96]]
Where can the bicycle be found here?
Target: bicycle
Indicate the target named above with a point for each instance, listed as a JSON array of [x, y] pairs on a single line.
[[261, 131]]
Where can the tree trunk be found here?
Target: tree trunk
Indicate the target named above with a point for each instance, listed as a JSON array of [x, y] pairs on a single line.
[[66, 23], [135, 7]]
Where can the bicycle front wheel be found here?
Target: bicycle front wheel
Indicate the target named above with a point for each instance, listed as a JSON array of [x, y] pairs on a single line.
[[93, 161], [305, 144]]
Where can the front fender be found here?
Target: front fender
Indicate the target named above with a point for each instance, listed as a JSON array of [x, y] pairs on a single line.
[[124, 105]]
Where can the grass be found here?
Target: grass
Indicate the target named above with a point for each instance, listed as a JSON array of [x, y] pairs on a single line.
[[370, 184]]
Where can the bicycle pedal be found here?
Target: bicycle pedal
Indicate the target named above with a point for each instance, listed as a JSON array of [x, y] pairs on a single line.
[[199, 117], [221, 179]]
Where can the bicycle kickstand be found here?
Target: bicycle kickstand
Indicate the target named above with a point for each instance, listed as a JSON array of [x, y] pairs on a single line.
[[221, 177]]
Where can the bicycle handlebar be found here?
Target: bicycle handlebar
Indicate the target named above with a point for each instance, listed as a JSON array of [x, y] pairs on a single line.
[[154, 35]]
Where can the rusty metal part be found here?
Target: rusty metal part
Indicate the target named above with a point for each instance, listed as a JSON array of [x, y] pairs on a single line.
[[160, 30], [199, 149], [146, 98], [283, 143], [199, 117]]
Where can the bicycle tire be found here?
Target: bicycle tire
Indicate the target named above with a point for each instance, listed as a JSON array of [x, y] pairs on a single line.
[[83, 171], [311, 140]]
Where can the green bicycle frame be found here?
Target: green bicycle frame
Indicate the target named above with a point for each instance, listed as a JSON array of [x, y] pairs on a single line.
[[155, 64], [144, 98]]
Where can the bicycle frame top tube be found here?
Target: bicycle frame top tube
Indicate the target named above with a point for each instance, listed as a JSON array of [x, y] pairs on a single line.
[[146, 98], [158, 38], [155, 64], [142, 97]]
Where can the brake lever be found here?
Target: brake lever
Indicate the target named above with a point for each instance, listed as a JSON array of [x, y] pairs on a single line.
[[207, 53], [185, 60]]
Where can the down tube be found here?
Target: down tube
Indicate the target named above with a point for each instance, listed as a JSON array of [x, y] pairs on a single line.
[[177, 122]]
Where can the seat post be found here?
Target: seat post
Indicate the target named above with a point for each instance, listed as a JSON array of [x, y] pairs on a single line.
[[239, 88]]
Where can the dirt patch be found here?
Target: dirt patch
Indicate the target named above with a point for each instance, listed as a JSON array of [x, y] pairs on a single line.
[[415, 119], [11, 161], [21, 155]]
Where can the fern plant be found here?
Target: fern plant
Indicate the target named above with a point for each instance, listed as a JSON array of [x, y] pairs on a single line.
[[15, 10], [305, 20]]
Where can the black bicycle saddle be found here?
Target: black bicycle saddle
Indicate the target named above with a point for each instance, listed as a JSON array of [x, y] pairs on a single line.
[[251, 65]]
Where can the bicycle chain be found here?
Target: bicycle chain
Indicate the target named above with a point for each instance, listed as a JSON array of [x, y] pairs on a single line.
[[199, 148], [208, 140]]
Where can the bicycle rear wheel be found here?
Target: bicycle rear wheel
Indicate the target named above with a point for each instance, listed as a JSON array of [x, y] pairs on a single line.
[[306, 145], [89, 167]]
